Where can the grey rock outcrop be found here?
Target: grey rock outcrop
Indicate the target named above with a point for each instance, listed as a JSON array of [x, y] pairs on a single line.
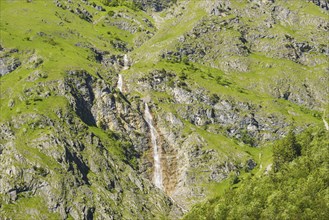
[[8, 65]]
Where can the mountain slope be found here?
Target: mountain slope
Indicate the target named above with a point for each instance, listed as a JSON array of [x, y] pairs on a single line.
[[55, 162], [299, 189], [80, 81]]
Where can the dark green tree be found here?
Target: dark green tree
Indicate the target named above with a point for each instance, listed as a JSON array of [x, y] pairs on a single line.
[[285, 150]]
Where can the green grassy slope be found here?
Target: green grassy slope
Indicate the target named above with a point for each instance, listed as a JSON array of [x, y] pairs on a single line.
[[248, 62]]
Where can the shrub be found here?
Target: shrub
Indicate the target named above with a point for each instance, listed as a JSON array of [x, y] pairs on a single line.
[[214, 98], [111, 13]]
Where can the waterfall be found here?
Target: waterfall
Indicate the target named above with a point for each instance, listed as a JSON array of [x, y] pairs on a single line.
[[120, 83], [125, 62], [325, 124], [125, 67], [156, 154]]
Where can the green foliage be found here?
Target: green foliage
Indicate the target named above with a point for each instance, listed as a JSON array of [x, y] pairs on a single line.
[[235, 179], [300, 191], [40, 171], [183, 76], [247, 138], [286, 150], [51, 41], [221, 81], [111, 13]]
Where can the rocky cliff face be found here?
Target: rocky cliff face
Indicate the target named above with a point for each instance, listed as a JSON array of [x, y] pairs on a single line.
[[72, 169], [221, 79], [228, 38]]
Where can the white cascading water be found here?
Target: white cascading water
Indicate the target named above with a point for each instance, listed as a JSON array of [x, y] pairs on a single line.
[[120, 83], [156, 155], [125, 67], [125, 62]]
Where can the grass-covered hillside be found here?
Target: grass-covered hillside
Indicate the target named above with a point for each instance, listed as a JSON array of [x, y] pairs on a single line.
[[297, 189], [164, 109]]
